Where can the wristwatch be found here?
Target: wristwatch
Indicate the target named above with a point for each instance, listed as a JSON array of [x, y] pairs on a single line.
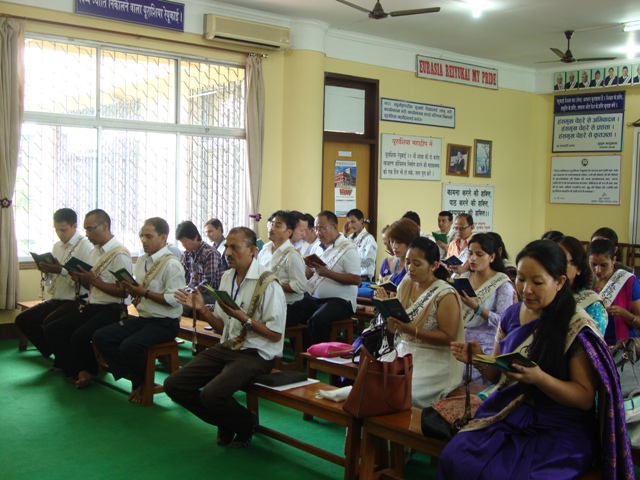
[[247, 325]]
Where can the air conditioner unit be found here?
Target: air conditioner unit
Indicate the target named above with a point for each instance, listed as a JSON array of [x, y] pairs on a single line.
[[232, 30]]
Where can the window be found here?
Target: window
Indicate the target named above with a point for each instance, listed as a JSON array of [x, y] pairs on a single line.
[[138, 134]]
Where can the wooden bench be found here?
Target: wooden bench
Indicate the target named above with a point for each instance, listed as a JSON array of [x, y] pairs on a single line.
[[304, 399], [166, 352], [401, 429], [22, 340], [317, 364]]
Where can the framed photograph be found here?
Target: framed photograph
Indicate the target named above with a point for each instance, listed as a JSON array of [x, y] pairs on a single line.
[[458, 160], [482, 167]]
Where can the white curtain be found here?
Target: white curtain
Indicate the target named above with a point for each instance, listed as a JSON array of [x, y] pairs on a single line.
[[255, 134], [11, 112]]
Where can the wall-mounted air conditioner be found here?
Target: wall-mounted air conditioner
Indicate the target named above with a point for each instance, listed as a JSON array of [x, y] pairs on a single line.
[[243, 32]]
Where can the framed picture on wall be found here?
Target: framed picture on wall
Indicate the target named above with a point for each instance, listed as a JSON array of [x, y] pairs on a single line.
[[458, 158], [482, 166]]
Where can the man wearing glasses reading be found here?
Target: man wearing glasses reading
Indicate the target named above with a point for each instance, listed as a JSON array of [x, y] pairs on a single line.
[[333, 284], [463, 226], [70, 336]]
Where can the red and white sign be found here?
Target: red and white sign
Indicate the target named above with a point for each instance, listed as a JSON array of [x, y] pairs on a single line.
[[437, 69]]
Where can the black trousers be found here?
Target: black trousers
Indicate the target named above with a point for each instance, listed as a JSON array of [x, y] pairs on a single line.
[[122, 344], [32, 321], [70, 337], [205, 386], [318, 314]]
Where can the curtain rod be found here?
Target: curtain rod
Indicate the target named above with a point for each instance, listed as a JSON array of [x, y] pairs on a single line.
[[134, 35]]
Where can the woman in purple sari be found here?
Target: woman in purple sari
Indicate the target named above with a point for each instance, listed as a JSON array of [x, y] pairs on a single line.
[[541, 422]]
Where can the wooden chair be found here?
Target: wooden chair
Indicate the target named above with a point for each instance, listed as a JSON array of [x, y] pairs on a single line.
[[342, 330], [295, 334], [150, 388]]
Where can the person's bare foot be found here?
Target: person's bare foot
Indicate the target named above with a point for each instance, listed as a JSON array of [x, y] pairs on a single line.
[[136, 395], [72, 378], [84, 379]]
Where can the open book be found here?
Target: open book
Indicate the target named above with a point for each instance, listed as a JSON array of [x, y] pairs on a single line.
[[388, 285], [452, 261], [222, 296], [73, 263], [313, 258], [123, 275], [391, 307], [441, 237], [503, 362], [464, 285], [43, 258]]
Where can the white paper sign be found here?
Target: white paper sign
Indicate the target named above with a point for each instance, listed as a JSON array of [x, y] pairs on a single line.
[[593, 180], [476, 200], [410, 158], [597, 132], [403, 111]]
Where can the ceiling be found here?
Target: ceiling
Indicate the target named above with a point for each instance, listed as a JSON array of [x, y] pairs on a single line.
[[516, 32]]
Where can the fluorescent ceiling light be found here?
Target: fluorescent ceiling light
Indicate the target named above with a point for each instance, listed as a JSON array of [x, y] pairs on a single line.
[[631, 26]]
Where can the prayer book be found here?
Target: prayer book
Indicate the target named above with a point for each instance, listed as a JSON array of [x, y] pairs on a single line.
[[43, 258], [452, 261], [123, 275], [503, 362], [442, 237], [73, 263], [313, 258], [259, 243], [391, 307], [222, 296], [278, 379], [464, 285], [388, 285]]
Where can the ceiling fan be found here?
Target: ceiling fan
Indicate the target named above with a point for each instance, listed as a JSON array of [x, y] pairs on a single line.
[[378, 13], [567, 57]]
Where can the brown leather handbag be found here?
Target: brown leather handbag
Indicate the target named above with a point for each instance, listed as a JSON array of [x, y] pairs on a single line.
[[380, 387]]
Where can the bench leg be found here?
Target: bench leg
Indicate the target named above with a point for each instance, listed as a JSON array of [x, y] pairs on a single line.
[[149, 382], [352, 449]]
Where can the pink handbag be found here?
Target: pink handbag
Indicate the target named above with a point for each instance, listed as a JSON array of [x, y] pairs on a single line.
[[330, 349]]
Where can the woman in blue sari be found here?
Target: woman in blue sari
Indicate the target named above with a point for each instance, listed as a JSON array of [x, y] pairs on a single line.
[[540, 422]]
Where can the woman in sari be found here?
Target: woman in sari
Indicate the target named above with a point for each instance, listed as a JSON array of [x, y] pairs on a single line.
[[509, 268], [433, 306], [540, 422], [619, 290], [495, 293], [579, 277]]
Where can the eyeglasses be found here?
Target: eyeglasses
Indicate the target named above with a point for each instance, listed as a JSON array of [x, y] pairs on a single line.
[[461, 228], [90, 229], [322, 229]]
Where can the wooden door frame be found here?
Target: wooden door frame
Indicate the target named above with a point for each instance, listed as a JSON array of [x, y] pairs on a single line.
[[371, 88]]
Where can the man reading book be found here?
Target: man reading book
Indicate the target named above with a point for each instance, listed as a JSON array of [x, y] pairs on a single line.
[[252, 337], [57, 281], [70, 336], [463, 228], [333, 287], [158, 274], [445, 224]]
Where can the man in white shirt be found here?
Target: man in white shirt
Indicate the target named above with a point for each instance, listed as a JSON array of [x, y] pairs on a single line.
[[300, 232], [445, 222], [333, 287], [70, 336], [252, 337], [416, 218], [159, 274], [282, 258], [215, 233], [311, 238], [60, 284]]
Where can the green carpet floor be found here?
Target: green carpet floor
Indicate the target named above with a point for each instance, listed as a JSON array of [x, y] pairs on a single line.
[[49, 430]]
